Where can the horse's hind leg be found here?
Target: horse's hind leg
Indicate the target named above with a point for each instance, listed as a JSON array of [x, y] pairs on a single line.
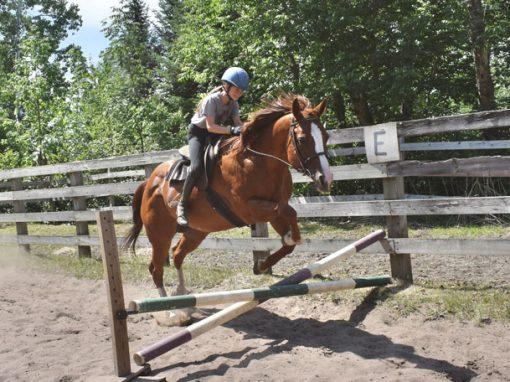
[[160, 247], [188, 242]]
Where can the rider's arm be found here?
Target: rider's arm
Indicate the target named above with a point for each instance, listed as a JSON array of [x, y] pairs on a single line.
[[214, 128]]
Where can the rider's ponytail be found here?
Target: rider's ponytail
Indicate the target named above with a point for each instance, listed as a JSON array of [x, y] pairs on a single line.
[[215, 90]]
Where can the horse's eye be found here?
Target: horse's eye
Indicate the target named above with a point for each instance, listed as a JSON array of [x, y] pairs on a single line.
[[301, 140]]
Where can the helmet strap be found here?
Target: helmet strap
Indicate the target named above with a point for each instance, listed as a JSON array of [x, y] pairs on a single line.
[[227, 91]]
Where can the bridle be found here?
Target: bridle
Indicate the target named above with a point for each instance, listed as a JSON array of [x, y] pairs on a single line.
[[302, 161], [293, 139]]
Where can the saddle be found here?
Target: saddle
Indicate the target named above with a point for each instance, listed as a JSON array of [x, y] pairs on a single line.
[[179, 171], [180, 168]]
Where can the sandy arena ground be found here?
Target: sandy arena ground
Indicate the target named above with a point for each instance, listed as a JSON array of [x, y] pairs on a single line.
[[55, 328]]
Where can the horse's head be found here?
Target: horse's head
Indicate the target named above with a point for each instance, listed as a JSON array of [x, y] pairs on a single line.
[[307, 147]]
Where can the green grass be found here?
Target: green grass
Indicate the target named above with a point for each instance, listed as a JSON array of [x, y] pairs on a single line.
[[322, 228], [489, 231], [482, 305], [134, 270]]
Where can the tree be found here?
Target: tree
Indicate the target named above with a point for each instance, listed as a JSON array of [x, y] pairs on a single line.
[[34, 81], [126, 77], [481, 55], [497, 29]]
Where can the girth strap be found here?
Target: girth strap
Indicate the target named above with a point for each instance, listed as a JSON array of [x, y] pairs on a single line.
[[220, 207]]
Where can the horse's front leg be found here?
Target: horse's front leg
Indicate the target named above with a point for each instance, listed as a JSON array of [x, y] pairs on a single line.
[[282, 226], [268, 210], [283, 218], [293, 235]]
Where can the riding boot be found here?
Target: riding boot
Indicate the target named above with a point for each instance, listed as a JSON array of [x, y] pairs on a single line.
[[182, 207]]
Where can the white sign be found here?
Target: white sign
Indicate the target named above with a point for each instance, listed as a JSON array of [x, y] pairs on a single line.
[[381, 143]]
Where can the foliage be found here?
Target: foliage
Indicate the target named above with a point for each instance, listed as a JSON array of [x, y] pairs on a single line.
[[33, 76], [375, 60]]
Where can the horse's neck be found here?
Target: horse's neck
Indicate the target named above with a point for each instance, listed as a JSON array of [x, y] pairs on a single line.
[[251, 174], [260, 164], [273, 142]]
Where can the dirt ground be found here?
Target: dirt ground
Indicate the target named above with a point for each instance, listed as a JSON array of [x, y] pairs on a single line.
[[55, 328]]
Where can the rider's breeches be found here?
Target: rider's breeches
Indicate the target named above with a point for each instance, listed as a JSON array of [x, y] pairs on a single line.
[[197, 138]]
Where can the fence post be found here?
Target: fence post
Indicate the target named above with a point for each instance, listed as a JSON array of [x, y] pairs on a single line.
[[80, 204], [149, 168], [401, 269], [19, 207], [260, 230], [114, 291]]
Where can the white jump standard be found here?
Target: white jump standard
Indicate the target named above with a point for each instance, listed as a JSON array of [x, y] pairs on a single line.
[[193, 331]]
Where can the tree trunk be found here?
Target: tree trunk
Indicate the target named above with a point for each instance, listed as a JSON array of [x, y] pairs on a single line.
[[406, 110], [481, 55], [361, 108], [294, 69], [338, 105]]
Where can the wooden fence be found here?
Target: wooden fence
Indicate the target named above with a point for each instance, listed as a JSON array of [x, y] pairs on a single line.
[[86, 179]]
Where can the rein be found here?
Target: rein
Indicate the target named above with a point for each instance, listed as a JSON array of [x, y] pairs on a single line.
[[268, 155]]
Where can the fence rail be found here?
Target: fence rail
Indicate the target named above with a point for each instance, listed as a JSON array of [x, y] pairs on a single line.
[[496, 166], [412, 206], [430, 126], [498, 247]]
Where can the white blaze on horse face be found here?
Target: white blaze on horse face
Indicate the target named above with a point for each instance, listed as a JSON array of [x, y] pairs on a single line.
[[319, 148]]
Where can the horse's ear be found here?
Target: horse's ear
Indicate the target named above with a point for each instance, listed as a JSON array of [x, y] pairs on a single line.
[[296, 110], [319, 109]]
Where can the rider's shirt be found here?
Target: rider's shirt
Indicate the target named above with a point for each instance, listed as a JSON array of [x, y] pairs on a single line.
[[213, 105]]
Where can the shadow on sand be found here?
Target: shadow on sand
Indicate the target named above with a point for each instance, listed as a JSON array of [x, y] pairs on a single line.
[[333, 336]]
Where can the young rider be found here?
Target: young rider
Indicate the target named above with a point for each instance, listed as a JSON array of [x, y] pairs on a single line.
[[210, 116]]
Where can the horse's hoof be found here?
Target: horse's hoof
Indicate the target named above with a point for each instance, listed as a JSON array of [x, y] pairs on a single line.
[[172, 318], [257, 271], [180, 292]]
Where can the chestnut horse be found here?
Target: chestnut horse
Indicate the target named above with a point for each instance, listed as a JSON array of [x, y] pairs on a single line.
[[252, 177]]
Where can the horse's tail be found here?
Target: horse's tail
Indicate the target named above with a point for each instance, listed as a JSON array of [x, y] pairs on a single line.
[[130, 239]]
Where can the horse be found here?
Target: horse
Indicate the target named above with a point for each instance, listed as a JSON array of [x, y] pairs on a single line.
[[252, 177]]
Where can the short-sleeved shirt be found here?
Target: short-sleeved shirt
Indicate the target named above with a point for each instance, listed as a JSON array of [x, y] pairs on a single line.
[[213, 105]]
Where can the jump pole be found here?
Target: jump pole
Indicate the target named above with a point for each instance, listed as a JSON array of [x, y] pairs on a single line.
[[266, 293], [171, 342]]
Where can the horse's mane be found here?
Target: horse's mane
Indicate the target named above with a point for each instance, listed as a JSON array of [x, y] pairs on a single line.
[[265, 118], [274, 109]]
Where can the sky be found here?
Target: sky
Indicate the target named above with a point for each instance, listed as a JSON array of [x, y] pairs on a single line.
[[93, 12]]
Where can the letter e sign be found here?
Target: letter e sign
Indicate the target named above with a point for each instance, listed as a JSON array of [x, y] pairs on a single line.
[[381, 143]]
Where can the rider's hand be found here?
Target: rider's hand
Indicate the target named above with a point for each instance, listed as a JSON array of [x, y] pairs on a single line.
[[235, 130]]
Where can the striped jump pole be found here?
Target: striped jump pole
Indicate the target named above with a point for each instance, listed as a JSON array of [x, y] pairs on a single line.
[[214, 298], [229, 313]]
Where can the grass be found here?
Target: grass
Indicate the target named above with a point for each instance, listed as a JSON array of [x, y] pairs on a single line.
[[433, 300], [481, 305], [321, 228]]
